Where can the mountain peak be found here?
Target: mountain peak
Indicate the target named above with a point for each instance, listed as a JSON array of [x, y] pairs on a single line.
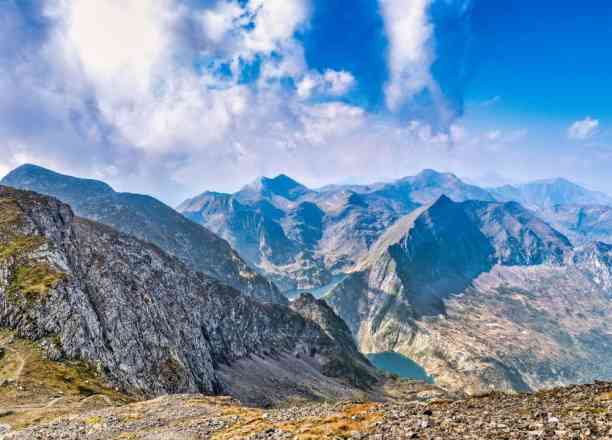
[[561, 181], [433, 175], [443, 200], [281, 185], [281, 181], [40, 179], [29, 168]]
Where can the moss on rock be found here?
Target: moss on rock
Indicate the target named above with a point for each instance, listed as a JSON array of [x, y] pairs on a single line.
[[33, 281], [19, 245]]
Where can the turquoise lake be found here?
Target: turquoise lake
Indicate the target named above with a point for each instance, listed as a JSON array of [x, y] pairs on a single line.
[[400, 365]]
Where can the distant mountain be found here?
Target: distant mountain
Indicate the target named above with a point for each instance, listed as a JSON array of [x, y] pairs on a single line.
[[581, 223], [149, 219], [150, 325], [583, 215], [301, 237], [547, 193], [279, 188], [428, 185], [484, 295]]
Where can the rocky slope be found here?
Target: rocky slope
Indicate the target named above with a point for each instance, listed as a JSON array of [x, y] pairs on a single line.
[[484, 296], [301, 237], [150, 325], [148, 219], [577, 412]]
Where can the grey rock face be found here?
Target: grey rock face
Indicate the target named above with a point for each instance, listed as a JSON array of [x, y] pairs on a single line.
[[148, 219], [485, 296], [142, 317]]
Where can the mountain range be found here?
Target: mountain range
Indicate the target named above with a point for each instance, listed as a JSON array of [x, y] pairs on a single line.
[[301, 238], [484, 295], [487, 288]]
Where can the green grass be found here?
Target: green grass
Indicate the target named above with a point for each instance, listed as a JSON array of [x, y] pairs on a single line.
[[30, 280], [20, 245], [10, 213], [33, 281]]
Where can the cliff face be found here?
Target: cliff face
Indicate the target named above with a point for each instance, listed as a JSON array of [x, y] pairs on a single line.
[[151, 325], [149, 219], [483, 295]]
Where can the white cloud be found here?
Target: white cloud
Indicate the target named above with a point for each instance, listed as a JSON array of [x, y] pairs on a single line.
[[119, 42], [583, 129], [339, 82], [332, 82], [490, 102], [410, 48], [415, 45], [133, 55], [333, 119], [219, 21], [275, 21], [125, 103], [493, 135]]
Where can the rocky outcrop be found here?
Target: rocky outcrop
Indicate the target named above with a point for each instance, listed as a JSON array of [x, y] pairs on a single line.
[[148, 219], [484, 296], [142, 318]]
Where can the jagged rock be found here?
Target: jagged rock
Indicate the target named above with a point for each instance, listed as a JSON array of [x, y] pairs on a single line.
[[144, 319]]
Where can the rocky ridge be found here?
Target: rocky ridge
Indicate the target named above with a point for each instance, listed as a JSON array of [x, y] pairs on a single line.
[[150, 325], [150, 220]]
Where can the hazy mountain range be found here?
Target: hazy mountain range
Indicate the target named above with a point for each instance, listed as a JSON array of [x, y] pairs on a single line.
[[487, 288], [301, 237]]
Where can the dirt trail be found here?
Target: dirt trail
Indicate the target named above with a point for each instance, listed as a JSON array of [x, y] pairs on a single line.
[[21, 360]]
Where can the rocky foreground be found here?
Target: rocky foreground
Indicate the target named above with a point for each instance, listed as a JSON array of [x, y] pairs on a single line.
[[576, 412]]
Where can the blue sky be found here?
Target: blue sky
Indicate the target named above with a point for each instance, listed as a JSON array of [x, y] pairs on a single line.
[[176, 96]]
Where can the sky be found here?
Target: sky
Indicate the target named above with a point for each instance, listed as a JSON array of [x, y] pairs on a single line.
[[174, 97]]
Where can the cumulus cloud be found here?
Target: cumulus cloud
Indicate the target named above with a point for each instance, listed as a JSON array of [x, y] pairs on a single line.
[[159, 97], [583, 129], [332, 82]]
